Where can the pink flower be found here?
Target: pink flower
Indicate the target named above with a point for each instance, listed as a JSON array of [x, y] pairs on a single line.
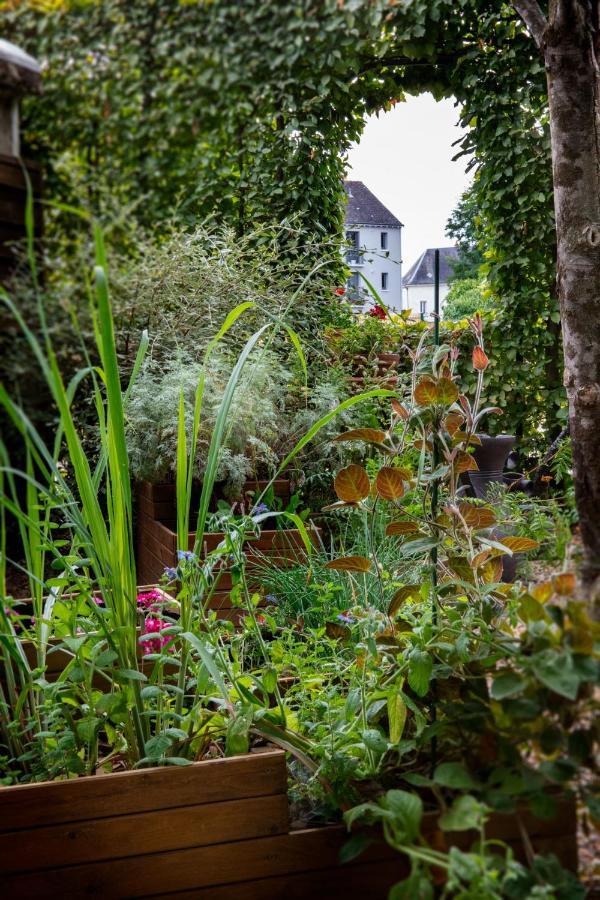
[[153, 625], [149, 598]]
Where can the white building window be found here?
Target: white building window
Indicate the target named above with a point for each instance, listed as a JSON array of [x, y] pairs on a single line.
[[423, 307], [353, 288], [383, 239], [384, 281], [353, 254]]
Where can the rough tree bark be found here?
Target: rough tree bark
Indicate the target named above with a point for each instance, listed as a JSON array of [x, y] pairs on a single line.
[[569, 39]]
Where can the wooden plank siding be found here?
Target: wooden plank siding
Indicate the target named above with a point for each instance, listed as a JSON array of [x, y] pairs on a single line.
[[166, 853], [157, 544]]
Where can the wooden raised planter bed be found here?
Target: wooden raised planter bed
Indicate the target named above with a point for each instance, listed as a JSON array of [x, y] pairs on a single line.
[[385, 369], [158, 501], [217, 829], [157, 545]]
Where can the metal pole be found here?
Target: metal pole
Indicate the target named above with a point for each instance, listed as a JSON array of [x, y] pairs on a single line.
[[436, 297], [434, 491]]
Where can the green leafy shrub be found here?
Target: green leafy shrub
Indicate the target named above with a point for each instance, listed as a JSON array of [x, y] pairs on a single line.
[[464, 299]]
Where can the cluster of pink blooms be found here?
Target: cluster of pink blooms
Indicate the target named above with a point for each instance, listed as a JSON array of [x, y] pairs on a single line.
[[151, 602]]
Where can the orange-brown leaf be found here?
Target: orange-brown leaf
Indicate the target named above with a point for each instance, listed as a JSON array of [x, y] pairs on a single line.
[[369, 435], [477, 516], [564, 584], [453, 421], [426, 391], [420, 445], [480, 558], [461, 567], [542, 592], [519, 544], [337, 631], [401, 596], [399, 409], [390, 483], [399, 528], [464, 462], [491, 571], [352, 484], [447, 391], [480, 360], [349, 564]]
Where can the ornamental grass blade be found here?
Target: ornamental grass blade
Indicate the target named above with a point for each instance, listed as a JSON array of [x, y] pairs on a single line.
[[216, 443]]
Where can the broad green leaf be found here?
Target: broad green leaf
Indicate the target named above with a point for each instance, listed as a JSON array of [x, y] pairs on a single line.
[[454, 775], [397, 711], [465, 813], [507, 684], [419, 673]]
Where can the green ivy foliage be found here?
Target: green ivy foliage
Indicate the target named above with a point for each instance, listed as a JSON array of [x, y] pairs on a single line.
[[502, 87], [245, 113]]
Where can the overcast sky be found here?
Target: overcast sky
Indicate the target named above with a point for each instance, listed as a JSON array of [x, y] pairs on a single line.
[[405, 159]]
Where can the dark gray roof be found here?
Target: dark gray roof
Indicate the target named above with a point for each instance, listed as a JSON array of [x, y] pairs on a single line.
[[363, 207], [421, 272]]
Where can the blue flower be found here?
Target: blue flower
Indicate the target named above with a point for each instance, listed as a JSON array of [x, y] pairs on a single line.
[[271, 598], [260, 509], [346, 618], [171, 573], [186, 554]]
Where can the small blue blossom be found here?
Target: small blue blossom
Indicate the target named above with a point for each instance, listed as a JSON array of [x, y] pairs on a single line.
[[271, 598], [346, 618], [260, 509], [186, 554], [171, 573]]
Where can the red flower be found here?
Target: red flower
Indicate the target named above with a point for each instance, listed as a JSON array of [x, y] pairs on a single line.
[[377, 312], [340, 291]]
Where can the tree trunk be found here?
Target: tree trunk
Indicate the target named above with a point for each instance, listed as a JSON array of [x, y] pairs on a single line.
[[573, 96], [568, 42]]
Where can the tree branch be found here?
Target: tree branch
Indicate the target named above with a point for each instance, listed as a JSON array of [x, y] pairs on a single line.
[[534, 19]]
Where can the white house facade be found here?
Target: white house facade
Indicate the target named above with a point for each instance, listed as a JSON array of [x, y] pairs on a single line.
[[419, 281], [373, 249]]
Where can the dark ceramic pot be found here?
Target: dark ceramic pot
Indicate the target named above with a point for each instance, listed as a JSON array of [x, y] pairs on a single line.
[[490, 456]]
